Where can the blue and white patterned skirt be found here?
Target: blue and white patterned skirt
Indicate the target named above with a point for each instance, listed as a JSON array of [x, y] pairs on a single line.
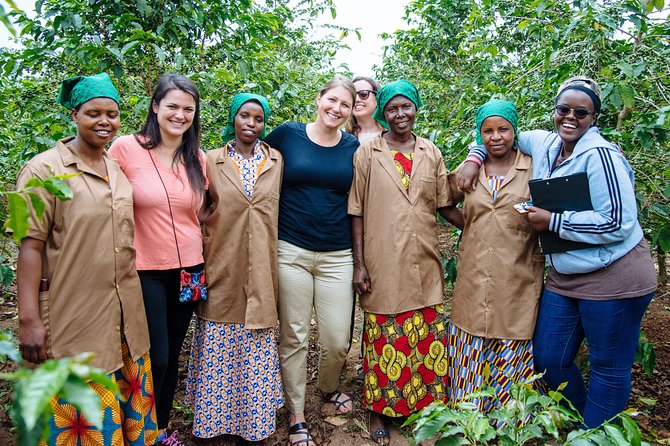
[[234, 382]]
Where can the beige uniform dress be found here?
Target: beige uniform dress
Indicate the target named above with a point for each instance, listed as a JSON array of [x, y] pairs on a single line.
[[496, 295], [234, 381], [94, 301], [404, 336]]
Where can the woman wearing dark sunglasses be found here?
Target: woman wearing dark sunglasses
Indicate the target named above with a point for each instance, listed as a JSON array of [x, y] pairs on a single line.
[[361, 124], [599, 293]]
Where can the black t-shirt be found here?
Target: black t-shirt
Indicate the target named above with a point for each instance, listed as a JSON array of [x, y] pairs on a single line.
[[313, 204]]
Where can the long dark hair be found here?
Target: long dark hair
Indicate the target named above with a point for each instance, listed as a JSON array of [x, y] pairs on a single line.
[[352, 126], [189, 150]]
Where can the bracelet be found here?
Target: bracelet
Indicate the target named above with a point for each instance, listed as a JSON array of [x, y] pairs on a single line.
[[474, 159]]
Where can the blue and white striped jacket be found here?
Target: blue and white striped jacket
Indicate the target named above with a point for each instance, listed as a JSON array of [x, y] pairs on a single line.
[[613, 223]]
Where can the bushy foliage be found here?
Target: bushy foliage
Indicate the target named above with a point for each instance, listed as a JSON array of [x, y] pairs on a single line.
[[528, 417], [461, 53]]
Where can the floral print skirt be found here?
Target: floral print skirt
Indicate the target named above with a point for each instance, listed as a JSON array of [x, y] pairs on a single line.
[[128, 417], [405, 360]]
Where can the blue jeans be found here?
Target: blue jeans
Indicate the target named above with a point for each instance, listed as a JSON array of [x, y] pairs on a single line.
[[612, 330]]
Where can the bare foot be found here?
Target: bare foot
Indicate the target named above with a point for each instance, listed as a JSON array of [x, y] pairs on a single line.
[[378, 431]]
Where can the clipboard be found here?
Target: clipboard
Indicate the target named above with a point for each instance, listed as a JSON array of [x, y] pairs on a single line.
[[568, 193]]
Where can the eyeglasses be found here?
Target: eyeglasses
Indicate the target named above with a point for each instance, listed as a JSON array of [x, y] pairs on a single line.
[[580, 113], [364, 94]]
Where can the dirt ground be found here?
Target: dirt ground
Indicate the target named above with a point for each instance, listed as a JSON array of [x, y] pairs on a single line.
[[650, 395]]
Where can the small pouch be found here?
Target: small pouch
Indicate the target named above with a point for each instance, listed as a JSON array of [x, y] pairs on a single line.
[[192, 284]]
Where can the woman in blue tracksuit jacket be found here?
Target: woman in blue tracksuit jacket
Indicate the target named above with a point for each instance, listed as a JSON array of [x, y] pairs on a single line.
[[598, 293]]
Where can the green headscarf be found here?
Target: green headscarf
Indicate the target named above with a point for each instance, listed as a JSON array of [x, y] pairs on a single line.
[[389, 91], [238, 101], [496, 107], [79, 89]]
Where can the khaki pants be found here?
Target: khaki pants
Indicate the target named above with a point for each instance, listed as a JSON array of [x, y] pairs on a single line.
[[319, 280]]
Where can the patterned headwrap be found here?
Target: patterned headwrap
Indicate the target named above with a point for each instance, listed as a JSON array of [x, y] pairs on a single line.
[[238, 101], [585, 85], [79, 89], [389, 91], [496, 107]]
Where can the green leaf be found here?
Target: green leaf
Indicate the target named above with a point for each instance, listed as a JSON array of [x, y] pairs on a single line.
[[58, 187], [632, 430], [659, 4], [81, 395], [615, 435], [647, 401], [34, 393], [664, 238], [451, 441], [17, 221], [627, 95], [37, 203]]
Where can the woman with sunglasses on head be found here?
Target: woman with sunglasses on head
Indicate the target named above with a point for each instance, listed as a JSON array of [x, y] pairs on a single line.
[[400, 183], [599, 293], [166, 167], [361, 124], [234, 381], [78, 289], [315, 263]]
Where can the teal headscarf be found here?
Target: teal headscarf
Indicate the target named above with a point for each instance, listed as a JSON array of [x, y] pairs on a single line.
[[238, 101], [79, 89], [389, 91], [496, 107]]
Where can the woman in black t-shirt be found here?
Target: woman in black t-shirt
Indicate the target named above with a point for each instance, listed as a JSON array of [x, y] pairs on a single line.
[[315, 263]]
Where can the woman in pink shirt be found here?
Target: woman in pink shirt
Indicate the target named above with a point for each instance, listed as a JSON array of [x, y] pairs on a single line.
[[166, 168]]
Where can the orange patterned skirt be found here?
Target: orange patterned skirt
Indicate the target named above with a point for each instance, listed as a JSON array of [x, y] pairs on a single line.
[[405, 360], [128, 416]]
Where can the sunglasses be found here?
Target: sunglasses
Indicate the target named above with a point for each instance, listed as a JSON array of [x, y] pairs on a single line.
[[580, 113], [364, 94]]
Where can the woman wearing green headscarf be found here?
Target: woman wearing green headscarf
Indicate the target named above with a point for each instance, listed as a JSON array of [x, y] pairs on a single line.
[[78, 290], [234, 381], [400, 183], [500, 268]]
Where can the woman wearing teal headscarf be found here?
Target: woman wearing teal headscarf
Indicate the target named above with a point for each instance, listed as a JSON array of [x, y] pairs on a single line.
[[234, 382], [400, 183], [78, 290], [500, 268]]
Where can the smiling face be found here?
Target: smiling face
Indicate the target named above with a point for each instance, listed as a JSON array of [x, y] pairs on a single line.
[[364, 107], [249, 122], [400, 112], [334, 106], [569, 128], [97, 121], [498, 136], [175, 113]]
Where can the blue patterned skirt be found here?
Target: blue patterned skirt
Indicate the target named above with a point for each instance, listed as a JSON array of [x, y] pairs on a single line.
[[476, 362], [234, 382]]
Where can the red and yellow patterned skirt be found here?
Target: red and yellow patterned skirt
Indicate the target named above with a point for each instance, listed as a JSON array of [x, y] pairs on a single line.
[[405, 360]]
